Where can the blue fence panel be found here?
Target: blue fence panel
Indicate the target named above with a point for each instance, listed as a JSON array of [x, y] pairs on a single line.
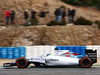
[[10, 52], [16, 53], [64, 48], [67, 47], [82, 52], [0, 52], [71, 48], [22, 51], [77, 49], [4, 52]]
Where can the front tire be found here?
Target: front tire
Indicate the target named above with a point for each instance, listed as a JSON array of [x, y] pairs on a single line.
[[85, 62], [22, 62]]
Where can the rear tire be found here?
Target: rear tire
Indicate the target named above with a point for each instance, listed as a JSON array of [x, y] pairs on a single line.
[[85, 62], [22, 62]]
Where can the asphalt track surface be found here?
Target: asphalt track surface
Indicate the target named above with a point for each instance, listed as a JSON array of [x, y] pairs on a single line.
[[51, 71]]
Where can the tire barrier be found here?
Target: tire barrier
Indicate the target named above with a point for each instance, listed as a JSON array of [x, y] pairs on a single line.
[[16, 52], [39, 50], [12, 52], [3, 53]]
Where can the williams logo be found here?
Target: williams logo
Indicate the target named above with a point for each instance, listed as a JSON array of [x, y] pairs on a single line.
[[53, 60]]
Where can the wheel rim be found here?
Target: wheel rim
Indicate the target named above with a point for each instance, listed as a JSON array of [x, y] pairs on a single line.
[[86, 62], [21, 62]]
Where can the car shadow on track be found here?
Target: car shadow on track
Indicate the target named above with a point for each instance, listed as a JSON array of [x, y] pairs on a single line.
[[31, 67]]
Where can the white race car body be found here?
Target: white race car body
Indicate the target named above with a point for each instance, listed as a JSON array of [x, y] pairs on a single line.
[[58, 58], [54, 60]]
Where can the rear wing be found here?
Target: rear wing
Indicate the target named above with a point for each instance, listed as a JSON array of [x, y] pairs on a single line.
[[92, 54]]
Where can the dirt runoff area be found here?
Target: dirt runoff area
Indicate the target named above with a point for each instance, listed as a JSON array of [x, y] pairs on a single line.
[[11, 60], [6, 61]]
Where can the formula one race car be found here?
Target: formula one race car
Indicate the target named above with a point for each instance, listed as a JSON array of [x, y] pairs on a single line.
[[58, 58]]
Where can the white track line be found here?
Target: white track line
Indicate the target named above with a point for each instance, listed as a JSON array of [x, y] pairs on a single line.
[[95, 66]]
